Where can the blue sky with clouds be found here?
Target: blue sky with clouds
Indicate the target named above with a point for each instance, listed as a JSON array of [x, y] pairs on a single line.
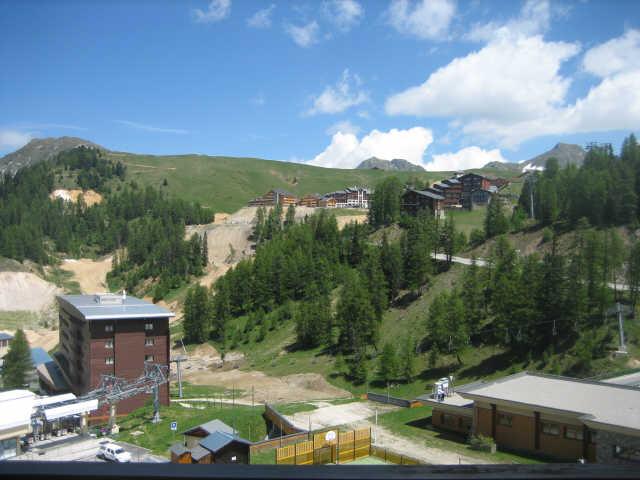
[[445, 83]]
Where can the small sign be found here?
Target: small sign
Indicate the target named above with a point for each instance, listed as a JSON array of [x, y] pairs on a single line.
[[174, 426], [330, 436]]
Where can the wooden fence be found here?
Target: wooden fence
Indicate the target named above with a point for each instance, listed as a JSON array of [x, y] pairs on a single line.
[[341, 447], [393, 457]]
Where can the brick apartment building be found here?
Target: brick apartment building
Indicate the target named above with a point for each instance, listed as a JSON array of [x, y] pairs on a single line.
[[558, 417], [109, 334]]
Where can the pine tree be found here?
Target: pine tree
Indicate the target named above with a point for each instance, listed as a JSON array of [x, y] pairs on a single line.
[[408, 359], [290, 218], [205, 250], [358, 370], [496, 222], [391, 260], [388, 363], [633, 273], [197, 315], [17, 362], [355, 316]]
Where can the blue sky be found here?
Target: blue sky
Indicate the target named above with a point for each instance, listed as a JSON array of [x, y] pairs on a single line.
[[444, 83]]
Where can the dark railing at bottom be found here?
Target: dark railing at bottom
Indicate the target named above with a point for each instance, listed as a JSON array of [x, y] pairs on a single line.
[[162, 471]]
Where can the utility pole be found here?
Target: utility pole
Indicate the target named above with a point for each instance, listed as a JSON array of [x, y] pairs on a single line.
[[623, 347]]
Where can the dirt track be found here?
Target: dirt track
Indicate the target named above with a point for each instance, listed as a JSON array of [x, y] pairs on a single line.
[[90, 274]]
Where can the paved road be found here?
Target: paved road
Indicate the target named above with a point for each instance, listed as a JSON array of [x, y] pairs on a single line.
[[83, 448], [483, 263]]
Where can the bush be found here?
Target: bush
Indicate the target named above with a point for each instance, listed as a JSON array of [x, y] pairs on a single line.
[[476, 237], [482, 443], [547, 235]]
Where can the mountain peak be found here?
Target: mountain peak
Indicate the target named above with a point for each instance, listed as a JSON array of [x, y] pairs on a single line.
[[41, 150], [397, 164]]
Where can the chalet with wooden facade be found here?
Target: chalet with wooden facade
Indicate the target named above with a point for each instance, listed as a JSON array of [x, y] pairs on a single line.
[[310, 200], [472, 182], [212, 442], [415, 200], [558, 417], [351, 197], [273, 198]]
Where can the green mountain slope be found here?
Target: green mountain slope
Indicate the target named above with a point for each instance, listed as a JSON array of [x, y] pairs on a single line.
[[227, 183]]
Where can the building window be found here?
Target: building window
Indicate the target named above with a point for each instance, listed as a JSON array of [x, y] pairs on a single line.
[[593, 436], [149, 342], [108, 327], [631, 454], [108, 343], [108, 360], [148, 326], [148, 358], [505, 420], [573, 433], [550, 428]]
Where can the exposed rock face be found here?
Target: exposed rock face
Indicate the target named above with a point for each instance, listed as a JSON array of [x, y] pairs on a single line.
[[565, 153], [40, 150], [397, 164]]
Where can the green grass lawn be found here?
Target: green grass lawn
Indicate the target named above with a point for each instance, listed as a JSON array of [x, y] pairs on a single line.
[[158, 437], [265, 457], [291, 408], [414, 423], [202, 391], [468, 220], [225, 184], [12, 320]]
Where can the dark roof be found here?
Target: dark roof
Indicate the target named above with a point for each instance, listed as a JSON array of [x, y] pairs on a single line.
[[452, 181], [5, 336], [40, 356], [179, 449], [441, 185], [211, 427], [198, 453], [219, 440], [426, 193], [52, 375], [279, 191], [110, 307]]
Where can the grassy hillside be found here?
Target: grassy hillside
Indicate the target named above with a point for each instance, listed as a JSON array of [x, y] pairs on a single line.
[[226, 183]]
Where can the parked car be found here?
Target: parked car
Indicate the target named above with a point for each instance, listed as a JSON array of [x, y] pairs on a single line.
[[114, 453]]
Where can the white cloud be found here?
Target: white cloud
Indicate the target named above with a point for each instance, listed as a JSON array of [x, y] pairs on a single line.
[[504, 81], [150, 128], [305, 35], [337, 98], [426, 19], [469, 157], [533, 19], [345, 14], [620, 54], [614, 104], [13, 139], [345, 127], [262, 18], [216, 11], [346, 151]]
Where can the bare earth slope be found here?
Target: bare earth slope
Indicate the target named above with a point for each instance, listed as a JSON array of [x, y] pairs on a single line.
[[90, 274], [25, 291]]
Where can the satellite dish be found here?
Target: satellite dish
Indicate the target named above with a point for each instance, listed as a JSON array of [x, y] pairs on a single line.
[[330, 436]]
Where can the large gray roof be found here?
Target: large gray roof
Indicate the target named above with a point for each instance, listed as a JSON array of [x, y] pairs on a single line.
[[211, 427], [110, 307], [218, 440], [597, 404]]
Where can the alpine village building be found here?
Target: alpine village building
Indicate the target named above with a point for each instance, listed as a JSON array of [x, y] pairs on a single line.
[[109, 334], [551, 416]]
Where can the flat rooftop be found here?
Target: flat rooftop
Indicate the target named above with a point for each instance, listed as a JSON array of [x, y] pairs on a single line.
[[110, 307], [596, 403]]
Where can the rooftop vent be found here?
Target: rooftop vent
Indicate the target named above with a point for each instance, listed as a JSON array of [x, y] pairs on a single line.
[[109, 299]]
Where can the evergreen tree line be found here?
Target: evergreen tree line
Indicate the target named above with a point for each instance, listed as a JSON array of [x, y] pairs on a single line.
[[144, 225], [605, 189], [531, 304], [296, 273]]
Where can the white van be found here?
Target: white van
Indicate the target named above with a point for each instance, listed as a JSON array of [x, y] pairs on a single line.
[[113, 452]]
